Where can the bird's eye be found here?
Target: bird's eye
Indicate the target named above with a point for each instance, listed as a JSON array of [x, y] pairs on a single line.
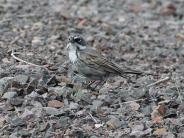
[[78, 40]]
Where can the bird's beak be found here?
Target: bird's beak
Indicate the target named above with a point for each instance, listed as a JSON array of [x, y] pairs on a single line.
[[68, 45]]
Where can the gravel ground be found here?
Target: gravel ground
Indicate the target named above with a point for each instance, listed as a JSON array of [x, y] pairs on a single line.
[[40, 101]]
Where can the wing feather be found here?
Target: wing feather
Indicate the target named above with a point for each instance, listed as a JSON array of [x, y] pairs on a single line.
[[94, 60]]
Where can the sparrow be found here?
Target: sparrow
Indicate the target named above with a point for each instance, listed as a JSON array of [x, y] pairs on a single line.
[[92, 65]]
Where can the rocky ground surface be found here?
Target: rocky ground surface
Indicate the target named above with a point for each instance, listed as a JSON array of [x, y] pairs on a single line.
[[40, 101]]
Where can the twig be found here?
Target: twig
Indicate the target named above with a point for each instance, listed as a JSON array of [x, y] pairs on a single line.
[[29, 63], [159, 81], [21, 60], [134, 101], [92, 118]]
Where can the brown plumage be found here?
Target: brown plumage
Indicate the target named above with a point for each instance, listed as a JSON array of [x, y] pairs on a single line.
[[91, 64]]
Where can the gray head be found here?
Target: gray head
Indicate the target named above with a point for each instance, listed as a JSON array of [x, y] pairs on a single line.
[[77, 42]]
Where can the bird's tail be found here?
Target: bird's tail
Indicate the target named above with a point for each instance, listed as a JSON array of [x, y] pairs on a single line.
[[137, 72]]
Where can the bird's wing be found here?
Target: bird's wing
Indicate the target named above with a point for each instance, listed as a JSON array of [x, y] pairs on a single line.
[[95, 60]]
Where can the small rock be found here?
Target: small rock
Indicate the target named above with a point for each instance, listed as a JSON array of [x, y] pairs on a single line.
[[53, 111], [2, 121], [93, 136], [9, 95], [13, 135], [103, 90], [37, 26], [18, 122], [95, 105], [63, 121], [16, 101], [36, 104], [137, 126], [180, 135], [140, 133], [4, 82], [99, 125], [21, 79], [43, 127], [6, 60], [106, 98], [23, 133], [134, 106], [138, 93], [160, 131], [73, 106], [146, 110], [37, 41], [26, 113], [33, 94], [137, 129], [37, 112], [170, 135], [156, 117], [61, 91], [171, 113], [169, 9], [55, 104], [181, 108], [161, 109], [113, 123], [8, 107]]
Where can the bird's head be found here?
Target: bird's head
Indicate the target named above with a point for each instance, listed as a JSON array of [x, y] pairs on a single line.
[[76, 42]]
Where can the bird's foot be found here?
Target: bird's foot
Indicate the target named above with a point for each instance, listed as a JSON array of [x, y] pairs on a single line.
[[95, 85]]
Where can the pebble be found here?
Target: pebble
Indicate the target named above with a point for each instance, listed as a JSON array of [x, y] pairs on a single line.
[[53, 111], [4, 82], [18, 122], [23, 133], [21, 79], [9, 95], [61, 91], [16, 101], [95, 105], [114, 123], [73, 106], [55, 104]]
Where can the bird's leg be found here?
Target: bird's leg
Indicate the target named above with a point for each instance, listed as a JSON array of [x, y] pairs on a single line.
[[89, 85], [96, 84], [101, 84]]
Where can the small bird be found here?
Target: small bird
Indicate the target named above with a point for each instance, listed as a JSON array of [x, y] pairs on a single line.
[[89, 63]]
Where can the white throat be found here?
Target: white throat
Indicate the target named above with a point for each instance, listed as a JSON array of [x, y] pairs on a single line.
[[72, 53]]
